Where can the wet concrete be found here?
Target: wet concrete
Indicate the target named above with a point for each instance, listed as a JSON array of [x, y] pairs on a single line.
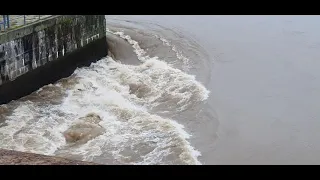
[[43, 52], [9, 157]]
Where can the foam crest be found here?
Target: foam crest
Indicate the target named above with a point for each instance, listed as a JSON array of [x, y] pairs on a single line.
[[125, 99]]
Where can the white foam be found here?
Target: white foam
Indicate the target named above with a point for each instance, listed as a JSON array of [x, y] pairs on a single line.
[[164, 70], [137, 49], [134, 135], [106, 86], [28, 130], [179, 54]]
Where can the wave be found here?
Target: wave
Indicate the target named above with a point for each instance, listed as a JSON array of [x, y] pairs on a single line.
[[108, 113]]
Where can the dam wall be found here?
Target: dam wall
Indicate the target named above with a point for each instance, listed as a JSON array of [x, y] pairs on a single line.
[[45, 51]]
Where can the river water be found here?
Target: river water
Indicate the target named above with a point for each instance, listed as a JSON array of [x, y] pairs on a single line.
[[183, 90]]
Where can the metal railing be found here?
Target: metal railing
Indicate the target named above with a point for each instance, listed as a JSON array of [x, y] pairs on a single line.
[[8, 22]]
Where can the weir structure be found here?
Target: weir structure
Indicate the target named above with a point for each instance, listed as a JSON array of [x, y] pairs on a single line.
[[47, 50], [39, 53]]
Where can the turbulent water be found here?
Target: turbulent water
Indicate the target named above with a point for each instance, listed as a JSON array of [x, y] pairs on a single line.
[[183, 90], [111, 112]]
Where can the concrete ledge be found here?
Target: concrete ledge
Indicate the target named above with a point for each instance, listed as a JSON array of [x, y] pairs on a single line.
[[53, 71], [26, 48], [9, 157], [21, 31], [46, 51]]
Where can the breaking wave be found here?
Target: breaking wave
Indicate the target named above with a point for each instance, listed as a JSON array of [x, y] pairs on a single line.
[[108, 113]]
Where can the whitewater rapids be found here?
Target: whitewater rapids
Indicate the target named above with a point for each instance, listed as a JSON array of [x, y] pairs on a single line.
[[109, 113]]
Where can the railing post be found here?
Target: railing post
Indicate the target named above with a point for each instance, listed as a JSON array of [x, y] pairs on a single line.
[[4, 21], [24, 19], [39, 17], [8, 21]]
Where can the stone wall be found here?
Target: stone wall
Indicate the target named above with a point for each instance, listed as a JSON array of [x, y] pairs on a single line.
[[41, 45]]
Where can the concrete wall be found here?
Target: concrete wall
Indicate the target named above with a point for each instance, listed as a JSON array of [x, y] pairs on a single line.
[[47, 50], [9, 157]]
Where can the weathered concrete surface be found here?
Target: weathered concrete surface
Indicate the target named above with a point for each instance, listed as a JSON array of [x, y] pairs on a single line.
[[46, 51], [31, 46], [8, 157], [18, 21]]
